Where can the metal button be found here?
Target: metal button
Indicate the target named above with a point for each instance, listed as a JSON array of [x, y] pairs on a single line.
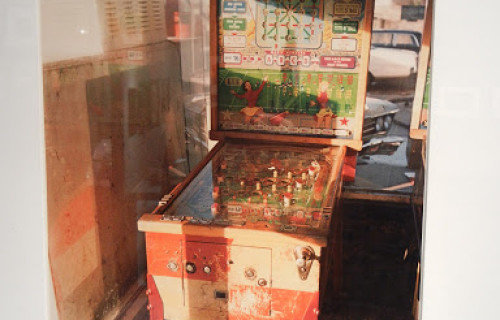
[[300, 262], [190, 267], [250, 273], [262, 282], [172, 266], [207, 269]]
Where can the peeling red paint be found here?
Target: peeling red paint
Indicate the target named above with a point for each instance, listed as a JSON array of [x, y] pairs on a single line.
[[162, 249], [214, 256], [220, 240], [245, 301], [295, 304]]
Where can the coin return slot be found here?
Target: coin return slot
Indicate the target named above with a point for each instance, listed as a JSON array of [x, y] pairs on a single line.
[[221, 295]]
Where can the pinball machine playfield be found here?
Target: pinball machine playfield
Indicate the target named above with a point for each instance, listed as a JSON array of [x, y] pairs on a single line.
[[251, 233]]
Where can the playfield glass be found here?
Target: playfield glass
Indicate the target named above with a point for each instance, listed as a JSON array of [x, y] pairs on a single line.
[[284, 188]]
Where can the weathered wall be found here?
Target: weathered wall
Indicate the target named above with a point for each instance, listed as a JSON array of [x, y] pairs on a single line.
[[113, 126]]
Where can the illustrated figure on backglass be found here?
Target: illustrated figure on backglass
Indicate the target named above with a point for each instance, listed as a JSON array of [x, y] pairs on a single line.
[[325, 114], [252, 112]]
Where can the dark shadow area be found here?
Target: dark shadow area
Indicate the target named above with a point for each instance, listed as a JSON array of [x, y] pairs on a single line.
[[379, 262]]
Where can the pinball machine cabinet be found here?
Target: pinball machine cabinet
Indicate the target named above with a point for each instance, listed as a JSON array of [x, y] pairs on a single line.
[[253, 231]]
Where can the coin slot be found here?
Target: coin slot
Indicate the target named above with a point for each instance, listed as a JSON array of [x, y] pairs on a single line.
[[221, 295]]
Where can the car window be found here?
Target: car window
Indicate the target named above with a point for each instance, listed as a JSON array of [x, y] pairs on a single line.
[[382, 39], [403, 39]]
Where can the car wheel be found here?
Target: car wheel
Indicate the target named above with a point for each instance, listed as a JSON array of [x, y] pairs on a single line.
[[387, 123], [379, 124]]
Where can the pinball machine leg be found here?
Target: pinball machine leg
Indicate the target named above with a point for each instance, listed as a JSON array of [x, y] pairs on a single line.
[[155, 305]]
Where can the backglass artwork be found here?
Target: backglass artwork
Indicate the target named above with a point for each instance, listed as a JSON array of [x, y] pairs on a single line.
[[291, 67]]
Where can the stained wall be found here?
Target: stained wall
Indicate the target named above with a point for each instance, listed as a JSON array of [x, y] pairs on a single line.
[[115, 143]]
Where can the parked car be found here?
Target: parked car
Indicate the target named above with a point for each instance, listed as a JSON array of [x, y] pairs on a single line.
[[393, 55], [379, 115], [378, 120], [397, 39], [386, 146]]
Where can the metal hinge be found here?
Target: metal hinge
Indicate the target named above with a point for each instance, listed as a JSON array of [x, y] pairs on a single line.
[[164, 200], [162, 204]]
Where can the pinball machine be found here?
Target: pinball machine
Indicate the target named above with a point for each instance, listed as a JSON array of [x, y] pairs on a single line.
[[253, 231]]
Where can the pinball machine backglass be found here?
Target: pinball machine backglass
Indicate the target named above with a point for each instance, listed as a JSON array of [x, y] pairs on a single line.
[[250, 233]]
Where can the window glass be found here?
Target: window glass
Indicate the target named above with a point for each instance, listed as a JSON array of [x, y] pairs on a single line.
[[391, 89], [125, 98], [382, 38], [403, 39]]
